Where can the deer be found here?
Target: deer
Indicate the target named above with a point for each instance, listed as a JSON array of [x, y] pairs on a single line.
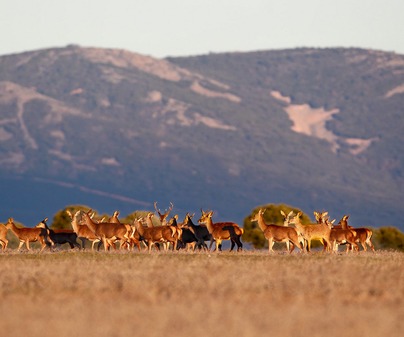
[[163, 219], [198, 234], [176, 232], [222, 231], [188, 239], [27, 235], [320, 216], [274, 233], [3, 237], [153, 235], [163, 222], [363, 235], [312, 231], [83, 232], [107, 231], [163, 216], [134, 237], [338, 234], [342, 236], [60, 236], [286, 221]]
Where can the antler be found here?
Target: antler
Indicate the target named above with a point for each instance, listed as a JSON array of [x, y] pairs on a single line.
[[163, 215]]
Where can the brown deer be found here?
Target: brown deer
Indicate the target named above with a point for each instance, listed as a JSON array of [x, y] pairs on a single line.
[[167, 235], [286, 222], [175, 234], [134, 237], [342, 236], [149, 219], [107, 231], [338, 234], [154, 235], [163, 216], [83, 232], [176, 231], [275, 233], [27, 235], [312, 231], [320, 216], [3, 237], [222, 231], [363, 235]]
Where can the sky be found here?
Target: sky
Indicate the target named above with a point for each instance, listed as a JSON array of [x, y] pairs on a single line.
[[163, 28]]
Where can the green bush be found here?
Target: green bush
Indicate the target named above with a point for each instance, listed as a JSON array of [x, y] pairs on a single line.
[[388, 238]]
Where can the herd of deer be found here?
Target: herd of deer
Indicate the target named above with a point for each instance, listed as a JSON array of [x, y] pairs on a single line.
[[172, 234], [324, 230]]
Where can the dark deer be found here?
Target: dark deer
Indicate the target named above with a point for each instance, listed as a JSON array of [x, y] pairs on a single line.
[[199, 232], [60, 236]]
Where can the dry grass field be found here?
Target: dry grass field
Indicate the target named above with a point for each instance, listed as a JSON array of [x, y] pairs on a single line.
[[201, 294]]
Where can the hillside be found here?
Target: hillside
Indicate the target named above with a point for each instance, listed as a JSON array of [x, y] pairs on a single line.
[[314, 128]]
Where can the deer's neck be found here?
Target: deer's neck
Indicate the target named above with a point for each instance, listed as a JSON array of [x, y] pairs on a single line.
[[90, 224], [344, 224], [14, 228], [209, 224], [75, 225], [297, 223], [114, 219], [191, 224], [139, 228], [261, 223], [149, 222]]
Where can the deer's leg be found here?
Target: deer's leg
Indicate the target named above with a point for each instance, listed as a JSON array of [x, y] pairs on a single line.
[[218, 245], [232, 243], [270, 244], [308, 245], [290, 243], [239, 243]]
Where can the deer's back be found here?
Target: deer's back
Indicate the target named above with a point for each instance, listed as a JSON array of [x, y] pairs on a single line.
[[279, 232]]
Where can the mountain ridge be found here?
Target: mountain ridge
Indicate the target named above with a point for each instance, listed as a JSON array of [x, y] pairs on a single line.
[[314, 128]]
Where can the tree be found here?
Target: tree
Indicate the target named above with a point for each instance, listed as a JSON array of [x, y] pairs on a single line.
[[62, 220], [253, 234], [388, 238]]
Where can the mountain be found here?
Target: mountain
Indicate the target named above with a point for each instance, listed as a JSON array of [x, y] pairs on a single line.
[[319, 129]]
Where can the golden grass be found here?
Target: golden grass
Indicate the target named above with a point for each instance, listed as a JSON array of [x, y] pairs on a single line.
[[201, 294]]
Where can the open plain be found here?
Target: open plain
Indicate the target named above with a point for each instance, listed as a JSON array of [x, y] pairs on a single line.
[[251, 293]]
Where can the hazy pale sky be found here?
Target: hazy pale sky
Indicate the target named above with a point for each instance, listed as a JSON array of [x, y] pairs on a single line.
[[192, 27]]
